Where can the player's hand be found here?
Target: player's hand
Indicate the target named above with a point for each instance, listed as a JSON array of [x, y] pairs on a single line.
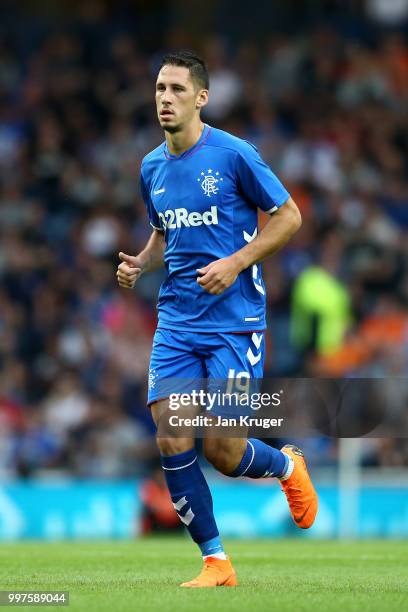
[[218, 275], [128, 271]]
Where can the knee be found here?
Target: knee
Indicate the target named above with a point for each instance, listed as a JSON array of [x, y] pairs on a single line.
[[224, 456], [173, 446]]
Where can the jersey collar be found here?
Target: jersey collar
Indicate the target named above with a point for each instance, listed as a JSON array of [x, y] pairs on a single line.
[[200, 142]]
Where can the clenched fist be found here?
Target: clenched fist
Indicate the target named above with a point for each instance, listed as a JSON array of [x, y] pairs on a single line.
[[128, 271], [219, 275]]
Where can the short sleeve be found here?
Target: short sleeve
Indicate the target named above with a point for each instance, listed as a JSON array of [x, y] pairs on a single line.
[[257, 182], [151, 211]]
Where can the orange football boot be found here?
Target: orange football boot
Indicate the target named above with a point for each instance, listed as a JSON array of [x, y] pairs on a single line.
[[299, 490], [216, 572]]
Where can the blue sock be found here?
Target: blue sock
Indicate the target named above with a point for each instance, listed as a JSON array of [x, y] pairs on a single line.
[[260, 461], [192, 499]]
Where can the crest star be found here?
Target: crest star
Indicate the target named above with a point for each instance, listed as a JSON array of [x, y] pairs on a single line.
[[209, 170]]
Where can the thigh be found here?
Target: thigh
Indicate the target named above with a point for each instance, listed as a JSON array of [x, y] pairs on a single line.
[[173, 365]]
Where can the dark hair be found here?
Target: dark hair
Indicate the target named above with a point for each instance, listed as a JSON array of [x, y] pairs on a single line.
[[189, 59]]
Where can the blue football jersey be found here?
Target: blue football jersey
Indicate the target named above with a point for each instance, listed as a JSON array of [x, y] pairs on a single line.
[[205, 200]]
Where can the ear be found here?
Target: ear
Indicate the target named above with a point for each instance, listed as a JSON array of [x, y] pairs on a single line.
[[202, 98]]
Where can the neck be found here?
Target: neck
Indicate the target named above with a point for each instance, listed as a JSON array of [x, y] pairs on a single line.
[[181, 141]]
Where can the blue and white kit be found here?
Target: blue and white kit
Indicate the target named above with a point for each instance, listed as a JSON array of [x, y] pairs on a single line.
[[205, 201]]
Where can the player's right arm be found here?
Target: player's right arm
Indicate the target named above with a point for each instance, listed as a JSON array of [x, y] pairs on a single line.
[[152, 256], [133, 266]]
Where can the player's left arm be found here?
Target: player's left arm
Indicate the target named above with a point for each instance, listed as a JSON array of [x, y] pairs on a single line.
[[222, 273], [280, 228]]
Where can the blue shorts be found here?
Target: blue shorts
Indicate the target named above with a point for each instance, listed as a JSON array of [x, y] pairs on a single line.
[[182, 356]]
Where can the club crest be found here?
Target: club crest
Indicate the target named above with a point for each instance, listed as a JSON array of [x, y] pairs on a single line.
[[152, 378], [209, 182]]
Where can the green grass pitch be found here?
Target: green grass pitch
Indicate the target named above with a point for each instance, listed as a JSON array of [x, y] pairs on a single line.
[[283, 575]]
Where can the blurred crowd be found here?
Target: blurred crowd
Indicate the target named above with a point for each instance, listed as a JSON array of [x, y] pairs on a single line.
[[77, 115]]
